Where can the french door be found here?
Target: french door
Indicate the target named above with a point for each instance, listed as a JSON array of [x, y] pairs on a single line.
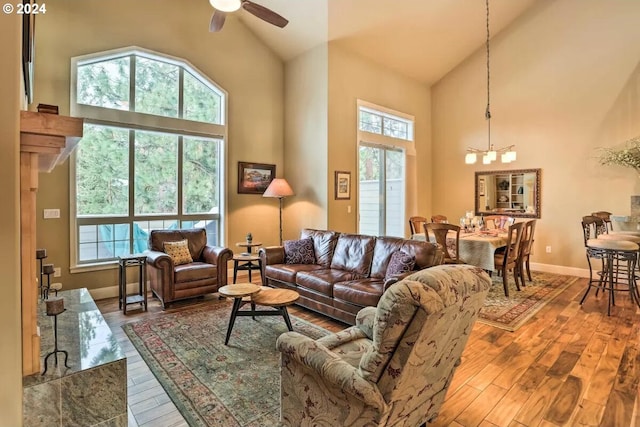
[[381, 195]]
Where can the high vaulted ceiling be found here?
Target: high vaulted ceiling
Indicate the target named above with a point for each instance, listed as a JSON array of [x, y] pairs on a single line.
[[422, 39]]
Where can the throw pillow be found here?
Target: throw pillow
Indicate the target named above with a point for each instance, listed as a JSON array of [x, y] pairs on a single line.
[[178, 251], [400, 262], [299, 252]]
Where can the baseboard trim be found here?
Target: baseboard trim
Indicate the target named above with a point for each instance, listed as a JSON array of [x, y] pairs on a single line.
[[560, 269]]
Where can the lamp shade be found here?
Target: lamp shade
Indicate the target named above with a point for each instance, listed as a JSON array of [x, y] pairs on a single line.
[[279, 187]]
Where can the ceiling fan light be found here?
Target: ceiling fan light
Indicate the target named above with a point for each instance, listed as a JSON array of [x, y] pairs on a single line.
[[470, 158], [226, 5]]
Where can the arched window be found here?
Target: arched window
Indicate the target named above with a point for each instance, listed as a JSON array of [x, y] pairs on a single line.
[[152, 152]]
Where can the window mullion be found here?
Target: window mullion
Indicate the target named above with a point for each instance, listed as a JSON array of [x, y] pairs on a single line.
[[180, 93], [132, 184], [180, 175], [132, 83]]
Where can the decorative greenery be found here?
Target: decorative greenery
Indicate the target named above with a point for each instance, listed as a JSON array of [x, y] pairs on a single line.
[[628, 156]]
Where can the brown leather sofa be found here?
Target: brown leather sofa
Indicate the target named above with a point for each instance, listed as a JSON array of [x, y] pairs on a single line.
[[204, 275], [349, 270]]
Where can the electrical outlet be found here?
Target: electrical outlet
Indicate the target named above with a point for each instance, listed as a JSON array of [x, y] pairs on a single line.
[[548, 249], [57, 272]]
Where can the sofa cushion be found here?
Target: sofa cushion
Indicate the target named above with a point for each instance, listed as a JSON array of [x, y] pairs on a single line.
[[287, 272], [324, 243], [385, 246], [322, 281], [354, 252], [178, 251], [426, 254], [299, 251], [194, 271], [362, 292], [400, 262]]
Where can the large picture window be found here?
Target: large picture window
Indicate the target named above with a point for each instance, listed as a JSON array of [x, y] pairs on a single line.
[[151, 154]]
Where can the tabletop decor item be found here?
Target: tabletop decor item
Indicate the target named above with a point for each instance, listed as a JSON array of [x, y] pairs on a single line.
[[54, 307], [249, 238]]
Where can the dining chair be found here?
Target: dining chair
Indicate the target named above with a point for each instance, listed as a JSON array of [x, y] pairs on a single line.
[[416, 224], [439, 219], [526, 245], [450, 247], [498, 221], [592, 227], [508, 260], [606, 217]]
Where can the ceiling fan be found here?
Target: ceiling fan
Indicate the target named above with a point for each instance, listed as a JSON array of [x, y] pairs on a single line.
[[222, 7]]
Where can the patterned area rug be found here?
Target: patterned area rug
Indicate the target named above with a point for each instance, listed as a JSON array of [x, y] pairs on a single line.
[[210, 383], [513, 312]]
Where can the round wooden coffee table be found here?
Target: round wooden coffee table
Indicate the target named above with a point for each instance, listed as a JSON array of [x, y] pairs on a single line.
[[279, 299]]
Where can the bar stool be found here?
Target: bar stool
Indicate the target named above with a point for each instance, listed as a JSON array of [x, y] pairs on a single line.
[[616, 253]]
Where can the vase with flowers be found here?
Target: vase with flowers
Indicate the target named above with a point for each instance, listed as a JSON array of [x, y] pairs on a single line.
[[627, 156]]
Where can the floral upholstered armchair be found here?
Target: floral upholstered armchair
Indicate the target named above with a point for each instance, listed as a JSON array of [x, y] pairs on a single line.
[[395, 365]]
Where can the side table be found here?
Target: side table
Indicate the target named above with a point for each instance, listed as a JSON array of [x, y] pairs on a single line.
[[247, 261], [134, 260]]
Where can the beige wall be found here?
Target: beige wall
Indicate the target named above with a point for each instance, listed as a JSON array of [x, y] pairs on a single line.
[[352, 78], [564, 80], [10, 93], [234, 58], [305, 146]]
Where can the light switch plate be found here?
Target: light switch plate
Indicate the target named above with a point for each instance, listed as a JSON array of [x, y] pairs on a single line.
[[51, 213]]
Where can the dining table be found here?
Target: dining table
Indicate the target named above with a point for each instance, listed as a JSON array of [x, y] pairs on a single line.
[[476, 248]]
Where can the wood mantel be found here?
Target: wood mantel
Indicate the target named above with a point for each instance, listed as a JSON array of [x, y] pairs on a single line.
[[46, 140]]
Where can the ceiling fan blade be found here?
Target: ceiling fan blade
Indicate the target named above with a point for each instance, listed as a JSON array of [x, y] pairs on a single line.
[[265, 14], [217, 21]]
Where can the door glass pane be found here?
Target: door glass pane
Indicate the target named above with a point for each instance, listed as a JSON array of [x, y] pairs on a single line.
[[394, 193], [156, 87], [156, 179], [369, 190], [200, 186], [102, 171]]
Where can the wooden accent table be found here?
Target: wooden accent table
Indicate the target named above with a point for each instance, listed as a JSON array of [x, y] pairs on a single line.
[[247, 261], [279, 299], [134, 260]]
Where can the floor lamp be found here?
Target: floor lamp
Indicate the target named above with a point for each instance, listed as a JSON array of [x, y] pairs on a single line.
[[279, 188]]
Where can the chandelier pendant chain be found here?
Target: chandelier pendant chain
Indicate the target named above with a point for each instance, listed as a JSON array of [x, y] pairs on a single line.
[[487, 113], [507, 154]]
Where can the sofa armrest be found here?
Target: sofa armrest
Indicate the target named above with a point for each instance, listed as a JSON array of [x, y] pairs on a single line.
[[216, 255], [159, 260], [329, 367], [271, 255], [365, 319]]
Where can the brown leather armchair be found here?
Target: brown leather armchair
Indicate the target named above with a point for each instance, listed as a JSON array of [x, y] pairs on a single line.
[[204, 275]]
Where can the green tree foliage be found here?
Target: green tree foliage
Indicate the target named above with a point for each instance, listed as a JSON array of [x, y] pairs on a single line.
[[102, 171], [105, 84], [200, 170], [156, 179], [156, 87], [201, 103]]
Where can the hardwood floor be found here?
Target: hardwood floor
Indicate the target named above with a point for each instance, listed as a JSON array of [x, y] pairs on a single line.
[[570, 365]]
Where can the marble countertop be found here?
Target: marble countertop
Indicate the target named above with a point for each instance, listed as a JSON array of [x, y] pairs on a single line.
[[82, 332]]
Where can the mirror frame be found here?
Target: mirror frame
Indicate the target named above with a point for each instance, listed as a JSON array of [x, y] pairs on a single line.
[[536, 195]]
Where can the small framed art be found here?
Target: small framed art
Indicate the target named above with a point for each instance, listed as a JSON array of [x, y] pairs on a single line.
[[343, 185], [254, 178]]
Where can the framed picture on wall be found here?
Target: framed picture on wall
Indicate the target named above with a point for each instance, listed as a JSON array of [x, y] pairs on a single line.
[[254, 178], [481, 187], [343, 185]]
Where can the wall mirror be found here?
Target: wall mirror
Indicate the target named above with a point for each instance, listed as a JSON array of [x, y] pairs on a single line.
[[511, 192]]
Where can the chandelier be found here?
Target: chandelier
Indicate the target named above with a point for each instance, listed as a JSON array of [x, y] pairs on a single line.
[[507, 154]]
